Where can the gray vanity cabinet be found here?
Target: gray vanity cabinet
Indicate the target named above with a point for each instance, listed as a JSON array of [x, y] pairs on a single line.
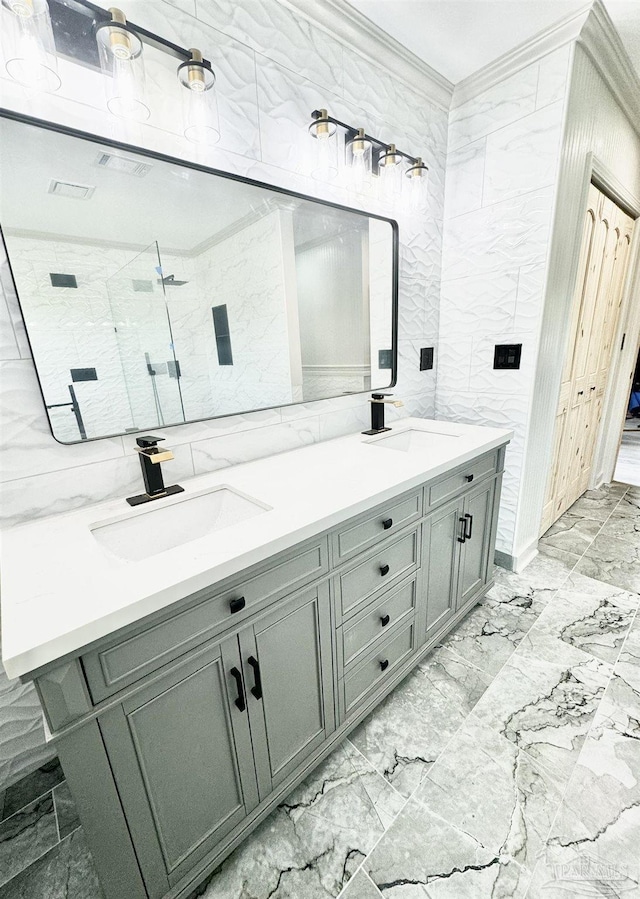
[[196, 750], [287, 665], [197, 722], [457, 544], [441, 561], [477, 512], [180, 750]]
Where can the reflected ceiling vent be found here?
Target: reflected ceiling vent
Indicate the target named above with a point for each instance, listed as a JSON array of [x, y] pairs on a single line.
[[122, 164], [70, 190]]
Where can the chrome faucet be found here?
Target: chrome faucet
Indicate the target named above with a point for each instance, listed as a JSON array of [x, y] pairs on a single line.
[[150, 459], [377, 412]]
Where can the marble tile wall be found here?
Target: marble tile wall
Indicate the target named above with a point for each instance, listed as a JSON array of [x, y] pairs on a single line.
[[273, 68], [502, 167]]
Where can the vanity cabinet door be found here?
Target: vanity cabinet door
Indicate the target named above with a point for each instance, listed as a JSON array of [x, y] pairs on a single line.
[[475, 551], [181, 754], [441, 554], [288, 669]]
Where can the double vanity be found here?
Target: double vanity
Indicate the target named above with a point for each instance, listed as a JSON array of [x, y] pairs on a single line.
[[197, 656]]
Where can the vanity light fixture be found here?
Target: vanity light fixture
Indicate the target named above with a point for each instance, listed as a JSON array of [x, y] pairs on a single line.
[[28, 44], [201, 122], [366, 156], [34, 28], [122, 64]]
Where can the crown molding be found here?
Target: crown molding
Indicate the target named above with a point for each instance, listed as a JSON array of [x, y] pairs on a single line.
[[342, 21], [601, 42], [557, 35]]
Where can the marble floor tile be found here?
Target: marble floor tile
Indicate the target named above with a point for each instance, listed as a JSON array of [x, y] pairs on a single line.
[[539, 580], [312, 844], [66, 813], [571, 533], [596, 834], [560, 556], [30, 787], [360, 887], [598, 504], [27, 835], [490, 789], [628, 664], [65, 872], [590, 615], [625, 518], [488, 635], [614, 561], [544, 700], [422, 856], [403, 737]]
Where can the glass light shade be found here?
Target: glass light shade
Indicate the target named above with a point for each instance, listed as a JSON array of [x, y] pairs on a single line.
[[390, 173], [28, 44], [200, 103], [417, 176], [325, 162], [358, 157], [120, 52]]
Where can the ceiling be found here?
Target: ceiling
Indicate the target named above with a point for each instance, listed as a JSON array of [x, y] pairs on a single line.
[[458, 37]]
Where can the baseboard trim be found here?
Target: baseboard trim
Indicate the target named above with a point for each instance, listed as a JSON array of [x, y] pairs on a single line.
[[517, 562]]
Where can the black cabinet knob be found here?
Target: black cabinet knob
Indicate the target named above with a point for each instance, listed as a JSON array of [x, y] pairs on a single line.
[[468, 477], [384, 620], [387, 523], [384, 665], [237, 605], [384, 569]]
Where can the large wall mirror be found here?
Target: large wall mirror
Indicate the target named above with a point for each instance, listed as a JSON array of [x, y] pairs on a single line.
[[156, 292]]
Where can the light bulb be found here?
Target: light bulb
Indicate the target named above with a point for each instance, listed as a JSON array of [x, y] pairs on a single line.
[[358, 155], [200, 105], [29, 47], [390, 173], [417, 178], [120, 52]]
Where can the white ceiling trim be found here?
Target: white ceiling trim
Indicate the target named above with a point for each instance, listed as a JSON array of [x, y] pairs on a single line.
[[601, 42], [351, 27], [557, 35]]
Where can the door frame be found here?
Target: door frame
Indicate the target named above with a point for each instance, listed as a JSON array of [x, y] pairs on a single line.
[[617, 389]]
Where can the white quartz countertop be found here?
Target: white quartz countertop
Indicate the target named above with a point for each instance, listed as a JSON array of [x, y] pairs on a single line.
[[61, 590]]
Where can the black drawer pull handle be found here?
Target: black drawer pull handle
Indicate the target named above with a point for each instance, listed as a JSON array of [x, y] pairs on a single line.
[[387, 523], [467, 536], [384, 620], [384, 665], [462, 535], [580, 392], [592, 388], [239, 701], [256, 690], [384, 569], [237, 605], [469, 477]]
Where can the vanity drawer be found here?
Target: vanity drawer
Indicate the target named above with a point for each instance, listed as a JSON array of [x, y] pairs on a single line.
[[365, 630], [372, 672], [461, 479], [367, 530], [112, 667], [380, 570]]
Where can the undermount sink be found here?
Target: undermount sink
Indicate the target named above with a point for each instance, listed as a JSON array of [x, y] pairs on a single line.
[[413, 439], [165, 524]]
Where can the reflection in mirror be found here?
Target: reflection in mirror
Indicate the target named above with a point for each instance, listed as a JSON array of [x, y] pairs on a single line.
[[155, 293]]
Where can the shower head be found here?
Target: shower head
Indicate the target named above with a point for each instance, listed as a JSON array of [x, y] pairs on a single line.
[[170, 281]]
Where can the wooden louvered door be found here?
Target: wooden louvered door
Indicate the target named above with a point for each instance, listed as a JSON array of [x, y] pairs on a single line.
[[604, 257]]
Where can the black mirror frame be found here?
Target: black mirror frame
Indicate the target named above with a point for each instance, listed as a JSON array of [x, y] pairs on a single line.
[[163, 157]]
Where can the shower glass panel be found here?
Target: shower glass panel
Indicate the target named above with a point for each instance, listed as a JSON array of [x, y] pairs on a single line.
[[144, 340]]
